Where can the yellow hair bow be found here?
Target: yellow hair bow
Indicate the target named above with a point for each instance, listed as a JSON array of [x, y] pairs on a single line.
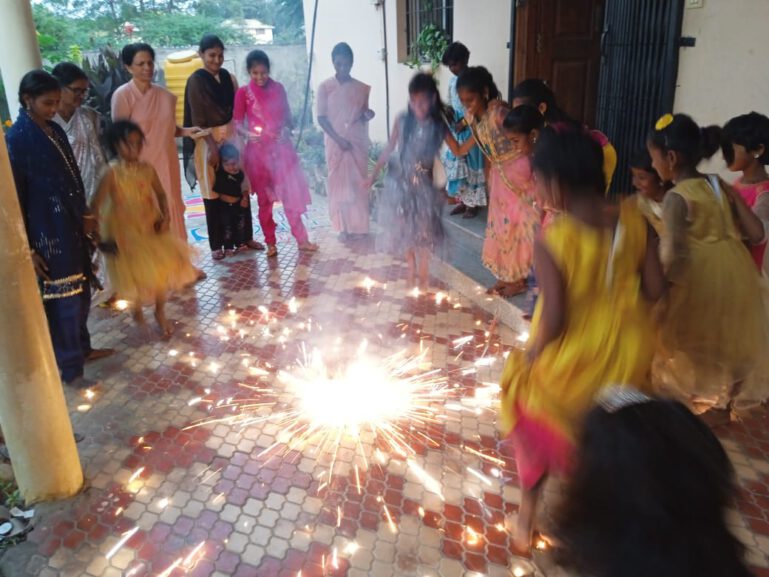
[[664, 121]]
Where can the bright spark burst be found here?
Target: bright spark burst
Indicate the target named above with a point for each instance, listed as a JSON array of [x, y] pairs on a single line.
[[121, 304], [335, 404]]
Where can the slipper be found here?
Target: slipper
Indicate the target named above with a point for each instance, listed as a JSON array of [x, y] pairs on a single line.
[[217, 254], [272, 250], [308, 247], [254, 245]]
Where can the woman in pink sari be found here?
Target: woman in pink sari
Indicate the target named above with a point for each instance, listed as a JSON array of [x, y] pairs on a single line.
[[153, 108], [343, 114], [263, 117]]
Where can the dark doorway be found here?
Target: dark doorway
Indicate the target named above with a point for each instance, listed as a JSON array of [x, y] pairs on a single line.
[[559, 41], [639, 66], [612, 63]]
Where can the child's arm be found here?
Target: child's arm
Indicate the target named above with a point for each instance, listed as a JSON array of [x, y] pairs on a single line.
[[747, 221], [652, 276], [106, 186], [553, 291], [245, 189], [384, 156], [459, 149], [163, 223], [674, 248]]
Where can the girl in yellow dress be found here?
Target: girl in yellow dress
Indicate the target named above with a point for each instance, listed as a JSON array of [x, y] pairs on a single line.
[[714, 338], [598, 270], [144, 260]]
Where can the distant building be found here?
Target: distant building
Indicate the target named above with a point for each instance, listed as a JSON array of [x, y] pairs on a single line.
[[259, 32]]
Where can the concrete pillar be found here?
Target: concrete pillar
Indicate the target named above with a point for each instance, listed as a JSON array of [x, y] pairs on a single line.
[[36, 425], [18, 46]]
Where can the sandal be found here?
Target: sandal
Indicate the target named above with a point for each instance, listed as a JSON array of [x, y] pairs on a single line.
[[217, 254], [308, 247], [254, 245], [272, 250], [230, 252]]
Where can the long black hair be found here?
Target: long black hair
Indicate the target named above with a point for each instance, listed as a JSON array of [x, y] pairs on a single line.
[[648, 497], [748, 130], [478, 80], [523, 119], [119, 131], [36, 83], [534, 92], [678, 132], [423, 83], [569, 155]]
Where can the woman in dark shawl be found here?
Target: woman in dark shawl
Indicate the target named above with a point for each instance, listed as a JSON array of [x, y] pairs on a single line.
[[208, 103]]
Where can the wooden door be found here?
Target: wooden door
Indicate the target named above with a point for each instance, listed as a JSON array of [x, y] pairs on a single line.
[[559, 41]]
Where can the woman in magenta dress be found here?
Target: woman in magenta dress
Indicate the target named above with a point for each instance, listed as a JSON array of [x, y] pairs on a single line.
[[263, 117]]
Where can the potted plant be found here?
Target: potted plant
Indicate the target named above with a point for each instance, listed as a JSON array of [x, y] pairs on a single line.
[[430, 46]]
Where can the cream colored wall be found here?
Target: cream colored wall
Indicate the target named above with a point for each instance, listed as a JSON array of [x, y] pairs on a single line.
[[724, 74], [359, 23]]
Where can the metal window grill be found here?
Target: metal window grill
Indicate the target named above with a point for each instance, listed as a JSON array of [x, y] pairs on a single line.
[[420, 13], [639, 65]]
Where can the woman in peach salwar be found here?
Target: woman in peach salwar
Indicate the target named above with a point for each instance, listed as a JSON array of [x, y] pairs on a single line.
[[153, 108], [343, 113]]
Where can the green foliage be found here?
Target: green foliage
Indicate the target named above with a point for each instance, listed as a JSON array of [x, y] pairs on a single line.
[[106, 73], [177, 29], [66, 27], [430, 46]]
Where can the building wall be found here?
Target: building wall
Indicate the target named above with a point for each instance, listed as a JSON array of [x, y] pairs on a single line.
[[724, 74], [360, 24]]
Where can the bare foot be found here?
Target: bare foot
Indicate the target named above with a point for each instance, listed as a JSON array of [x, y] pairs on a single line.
[[511, 289], [272, 250], [166, 328], [138, 316], [493, 290]]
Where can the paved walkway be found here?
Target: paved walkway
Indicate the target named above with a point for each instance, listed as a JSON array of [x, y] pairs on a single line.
[[426, 495]]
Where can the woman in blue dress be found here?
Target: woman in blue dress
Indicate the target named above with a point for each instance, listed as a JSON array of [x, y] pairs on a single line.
[[57, 221]]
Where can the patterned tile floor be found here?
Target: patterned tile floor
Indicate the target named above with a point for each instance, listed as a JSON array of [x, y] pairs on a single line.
[[228, 498]]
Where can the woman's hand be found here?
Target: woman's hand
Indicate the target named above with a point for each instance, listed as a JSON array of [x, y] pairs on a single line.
[[368, 115], [344, 144], [244, 201], [90, 225], [41, 268], [190, 131], [368, 182]]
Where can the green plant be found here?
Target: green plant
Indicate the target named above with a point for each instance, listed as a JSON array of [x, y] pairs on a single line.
[[105, 74], [430, 46]]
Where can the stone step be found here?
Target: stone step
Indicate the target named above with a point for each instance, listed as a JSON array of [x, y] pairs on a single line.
[[460, 267]]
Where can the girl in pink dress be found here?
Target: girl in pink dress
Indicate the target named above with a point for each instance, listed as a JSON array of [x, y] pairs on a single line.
[[263, 118], [513, 218], [746, 142]]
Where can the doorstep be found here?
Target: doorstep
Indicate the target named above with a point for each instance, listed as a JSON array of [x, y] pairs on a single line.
[[459, 266]]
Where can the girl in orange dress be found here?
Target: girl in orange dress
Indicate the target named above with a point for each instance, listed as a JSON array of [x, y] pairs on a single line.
[[145, 259]]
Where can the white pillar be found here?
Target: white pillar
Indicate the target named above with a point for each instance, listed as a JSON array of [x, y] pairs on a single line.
[[18, 46], [36, 424]]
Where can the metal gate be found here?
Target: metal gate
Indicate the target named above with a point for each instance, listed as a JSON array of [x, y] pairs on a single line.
[[639, 66]]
